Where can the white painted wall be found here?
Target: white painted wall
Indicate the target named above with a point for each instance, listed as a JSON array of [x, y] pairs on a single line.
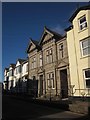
[[24, 69]]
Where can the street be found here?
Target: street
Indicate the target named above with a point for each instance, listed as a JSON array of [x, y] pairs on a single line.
[[14, 109]]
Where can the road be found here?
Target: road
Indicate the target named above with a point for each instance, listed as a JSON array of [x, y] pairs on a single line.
[[14, 109]]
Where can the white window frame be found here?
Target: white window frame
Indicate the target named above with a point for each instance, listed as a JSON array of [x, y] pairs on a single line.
[[85, 78], [87, 47], [82, 24]]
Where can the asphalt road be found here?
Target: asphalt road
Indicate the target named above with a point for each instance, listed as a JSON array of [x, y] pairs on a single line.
[[14, 109]]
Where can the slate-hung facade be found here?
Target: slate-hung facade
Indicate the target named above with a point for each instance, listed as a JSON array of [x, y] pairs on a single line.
[[48, 64], [78, 44]]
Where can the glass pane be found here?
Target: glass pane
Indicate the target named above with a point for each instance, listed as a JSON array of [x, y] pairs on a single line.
[[88, 41], [83, 19], [88, 83], [85, 43], [89, 51], [87, 73], [85, 51]]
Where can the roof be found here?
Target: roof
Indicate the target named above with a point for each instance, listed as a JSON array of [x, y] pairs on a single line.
[[6, 69], [36, 43], [21, 60], [25, 61], [12, 65], [87, 7], [69, 28], [55, 34]]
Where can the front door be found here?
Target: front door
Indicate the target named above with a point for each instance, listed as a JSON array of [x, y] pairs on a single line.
[[41, 85], [64, 83]]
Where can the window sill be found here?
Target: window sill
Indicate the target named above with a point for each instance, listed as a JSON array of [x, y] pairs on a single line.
[[82, 30], [84, 56]]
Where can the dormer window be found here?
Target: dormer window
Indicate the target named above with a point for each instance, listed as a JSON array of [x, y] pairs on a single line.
[[82, 23]]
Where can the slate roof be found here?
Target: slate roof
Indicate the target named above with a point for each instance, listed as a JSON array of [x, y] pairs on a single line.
[[12, 65], [36, 43], [21, 60], [53, 32], [87, 7]]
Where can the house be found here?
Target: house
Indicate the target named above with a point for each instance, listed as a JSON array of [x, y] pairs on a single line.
[[6, 79], [18, 75], [11, 80], [24, 76], [78, 44], [48, 64]]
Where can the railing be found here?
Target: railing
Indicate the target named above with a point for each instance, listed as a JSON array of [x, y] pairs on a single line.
[[51, 93]]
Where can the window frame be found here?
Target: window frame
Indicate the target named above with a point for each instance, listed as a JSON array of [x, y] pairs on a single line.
[[81, 46], [49, 55], [50, 80], [61, 51], [85, 78], [40, 60], [81, 24]]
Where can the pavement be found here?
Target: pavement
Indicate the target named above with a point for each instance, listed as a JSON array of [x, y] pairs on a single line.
[[17, 109]]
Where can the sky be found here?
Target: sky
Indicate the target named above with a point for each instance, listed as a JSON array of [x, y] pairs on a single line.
[[22, 21]]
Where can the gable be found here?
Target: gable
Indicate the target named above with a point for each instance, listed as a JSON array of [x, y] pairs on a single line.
[[31, 47], [18, 63], [10, 68], [46, 36]]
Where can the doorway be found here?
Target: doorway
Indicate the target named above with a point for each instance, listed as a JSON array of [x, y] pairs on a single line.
[[64, 83]]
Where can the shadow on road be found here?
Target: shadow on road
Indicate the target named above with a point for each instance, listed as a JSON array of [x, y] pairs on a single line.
[[14, 109]]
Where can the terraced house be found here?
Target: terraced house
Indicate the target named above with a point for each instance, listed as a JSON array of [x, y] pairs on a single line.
[[15, 77], [78, 44], [48, 64], [58, 65]]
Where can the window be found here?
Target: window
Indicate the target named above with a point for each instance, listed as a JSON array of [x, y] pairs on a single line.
[[85, 47], [61, 51], [33, 62], [27, 68], [49, 56], [82, 22], [11, 73], [18, 69], [50, 80], [87, 77], [50, 51], [40, 60]]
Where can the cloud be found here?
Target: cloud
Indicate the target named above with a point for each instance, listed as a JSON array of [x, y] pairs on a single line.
[[58, 29]]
